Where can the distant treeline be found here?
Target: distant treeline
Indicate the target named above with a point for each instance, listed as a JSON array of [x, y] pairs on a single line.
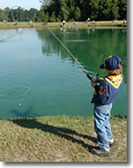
[[18, 14], [70, 10]]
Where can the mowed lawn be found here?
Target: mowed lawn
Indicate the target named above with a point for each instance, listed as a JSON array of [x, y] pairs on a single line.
[[58, 139]]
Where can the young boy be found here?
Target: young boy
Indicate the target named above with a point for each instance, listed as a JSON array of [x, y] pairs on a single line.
[[105, 94]]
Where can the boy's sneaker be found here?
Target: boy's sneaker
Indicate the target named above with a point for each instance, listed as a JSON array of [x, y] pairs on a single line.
[[99, 152], [111, 143]]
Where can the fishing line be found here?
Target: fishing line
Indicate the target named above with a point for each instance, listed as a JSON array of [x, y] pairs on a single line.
[[89, 46], [86, 44], [9, 37], [66, 49], [14, 34], [57, 39]]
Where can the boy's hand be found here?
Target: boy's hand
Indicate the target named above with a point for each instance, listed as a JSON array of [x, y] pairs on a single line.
[[93, 84], [101, 79]]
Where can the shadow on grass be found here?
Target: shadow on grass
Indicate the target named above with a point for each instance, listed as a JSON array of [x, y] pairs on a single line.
[[59, 131]]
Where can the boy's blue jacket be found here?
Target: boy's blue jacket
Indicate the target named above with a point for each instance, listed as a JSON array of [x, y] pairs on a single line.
[[108, 89]]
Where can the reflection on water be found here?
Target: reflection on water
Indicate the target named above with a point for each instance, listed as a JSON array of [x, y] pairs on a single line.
[[104, 40], [40, 78]]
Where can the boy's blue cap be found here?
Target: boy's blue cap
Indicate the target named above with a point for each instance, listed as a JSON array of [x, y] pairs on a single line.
[[111, 62]]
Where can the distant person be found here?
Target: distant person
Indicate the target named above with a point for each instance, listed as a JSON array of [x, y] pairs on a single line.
[[16, 22], [88, 19], [64, 23], [46, 21], [124, 21], [104, 95], [30, 22]]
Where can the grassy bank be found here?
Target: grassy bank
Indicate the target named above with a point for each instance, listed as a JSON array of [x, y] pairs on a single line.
[[58, 139], [59, 24]]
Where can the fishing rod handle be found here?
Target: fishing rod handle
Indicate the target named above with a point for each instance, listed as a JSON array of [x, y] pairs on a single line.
[[89, 76]]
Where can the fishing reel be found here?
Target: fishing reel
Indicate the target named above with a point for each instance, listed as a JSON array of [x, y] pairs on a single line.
[[95, 79]]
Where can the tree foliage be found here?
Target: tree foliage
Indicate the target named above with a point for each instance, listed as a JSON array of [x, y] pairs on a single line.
[[80, 10], [17, 14], [70, 10], [3, 16]]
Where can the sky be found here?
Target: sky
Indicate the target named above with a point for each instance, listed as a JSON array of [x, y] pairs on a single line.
[[27, 4]]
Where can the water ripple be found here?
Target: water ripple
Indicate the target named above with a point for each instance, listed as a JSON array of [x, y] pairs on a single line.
[[13, 92]]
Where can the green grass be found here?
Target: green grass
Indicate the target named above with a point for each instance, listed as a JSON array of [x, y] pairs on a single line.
[[58, 139], [59, 24]]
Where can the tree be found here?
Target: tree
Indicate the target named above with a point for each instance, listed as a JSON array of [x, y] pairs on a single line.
[[64, 10], [6, 11], [21, 14], [94, 8], [11, 16], [122, 9], [47, 16], [52, 18], [114, 10], [77, 14], [16, 17], [33, 13], [40, 14], [71, 4], [108, 9], [3, 16], [85, 9]]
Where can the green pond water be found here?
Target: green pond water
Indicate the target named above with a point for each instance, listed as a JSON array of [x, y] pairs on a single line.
[[38, 77]]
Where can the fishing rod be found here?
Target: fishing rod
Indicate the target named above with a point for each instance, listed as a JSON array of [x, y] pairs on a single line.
[[89, 46], [93, 78]]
